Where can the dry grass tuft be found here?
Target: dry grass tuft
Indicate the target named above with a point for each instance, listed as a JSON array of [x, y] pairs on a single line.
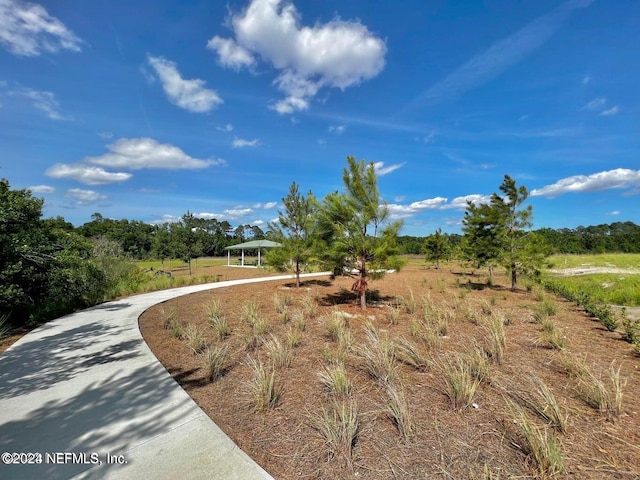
[[339, 426], [460, 383], [397, 409], [377, 357], [407, 352], [216, 361], [264, 389], [334, 378], [195, 338]]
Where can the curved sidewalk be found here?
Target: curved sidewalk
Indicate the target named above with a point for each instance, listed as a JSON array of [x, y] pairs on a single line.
[[85, 393]]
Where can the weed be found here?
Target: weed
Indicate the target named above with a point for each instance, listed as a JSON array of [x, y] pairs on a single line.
[[309, 306], [378, 357], [339, 425], [5, 329], [551, 336], [478, 362], [407, 352], [250, 312], [297, 318], [397, 410], [281, 355], [335, 325], [168, 316], [265, 390], [214, 309], [334, 378], [410, 303], [497, 338], [220, 325], [393, 315], [595, 393], [293, 338], [546, 405], [177, 329], [195, 338], [540, 444], [460, 383], [216, 361]]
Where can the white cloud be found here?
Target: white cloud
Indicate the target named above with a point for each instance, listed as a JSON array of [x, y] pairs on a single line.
[[85, 174], [620, 178], [237, 212], [336, 54], [41, 189], [401, 211], [230, 53], [615, 212], [499, 57], [44, 101], [257, 222], [188, 94], [338, 129], [227, 128], [460, 203], [586, 80], [27, 29], [139, 153], [266, 206], [381, 170], [241, 143], [85, 197], [596, 104], [610, 111]]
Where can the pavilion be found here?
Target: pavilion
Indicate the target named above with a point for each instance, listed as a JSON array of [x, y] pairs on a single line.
[[252, 245]]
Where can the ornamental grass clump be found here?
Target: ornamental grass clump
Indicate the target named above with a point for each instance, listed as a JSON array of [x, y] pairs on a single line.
[[339, 426], [265, 389]]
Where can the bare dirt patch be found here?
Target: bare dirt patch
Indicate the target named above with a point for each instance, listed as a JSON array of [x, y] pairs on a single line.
[[481, 440]]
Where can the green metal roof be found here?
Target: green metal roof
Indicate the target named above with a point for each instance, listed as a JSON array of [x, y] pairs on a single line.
[[254, 244]]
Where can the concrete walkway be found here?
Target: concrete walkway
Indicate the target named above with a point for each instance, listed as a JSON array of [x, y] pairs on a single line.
[[84, 392]]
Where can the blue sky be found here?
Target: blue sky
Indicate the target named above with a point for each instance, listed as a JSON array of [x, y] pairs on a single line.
[[144, 110]]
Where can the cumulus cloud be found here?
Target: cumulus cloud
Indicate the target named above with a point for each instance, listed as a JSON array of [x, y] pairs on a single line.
[[41, 189], [85, 197], [27, 29], [230, 53], [237, 212], [227, 128], [620, 178], [615, 212], [381, 170], [86, 174], [188, 94], [401, 211], [336, 54], [241, 143], [460, 203], [44, 101], [139, 153], [338, 129], [437, 203], [266, 206]]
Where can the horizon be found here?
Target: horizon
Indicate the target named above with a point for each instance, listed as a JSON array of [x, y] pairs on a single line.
[[147, 111]]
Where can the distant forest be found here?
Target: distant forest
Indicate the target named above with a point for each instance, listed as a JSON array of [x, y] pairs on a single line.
[[141, 240]]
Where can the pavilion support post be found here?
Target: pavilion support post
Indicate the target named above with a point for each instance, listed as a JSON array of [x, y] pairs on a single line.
[[228, 257], [258, 257], [242, 257]]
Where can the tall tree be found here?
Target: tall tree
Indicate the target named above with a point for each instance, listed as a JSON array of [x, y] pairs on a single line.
[[293, 230], [436, 247], [354, 232], [497, 231]]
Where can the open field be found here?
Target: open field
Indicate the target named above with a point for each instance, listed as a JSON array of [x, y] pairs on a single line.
[[442, 377], [619, 260]]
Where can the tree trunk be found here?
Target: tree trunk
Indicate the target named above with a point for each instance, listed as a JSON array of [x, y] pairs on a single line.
[[189, 267], [363, 286], [297, 273], [514, 279], [491, 272]]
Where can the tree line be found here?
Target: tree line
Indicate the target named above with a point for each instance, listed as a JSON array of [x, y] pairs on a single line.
[[48, 267]]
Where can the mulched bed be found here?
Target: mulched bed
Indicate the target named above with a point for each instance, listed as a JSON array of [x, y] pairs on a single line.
[[480, 441]]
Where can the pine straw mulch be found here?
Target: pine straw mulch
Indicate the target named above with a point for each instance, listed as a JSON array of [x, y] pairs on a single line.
[[480, 441]]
